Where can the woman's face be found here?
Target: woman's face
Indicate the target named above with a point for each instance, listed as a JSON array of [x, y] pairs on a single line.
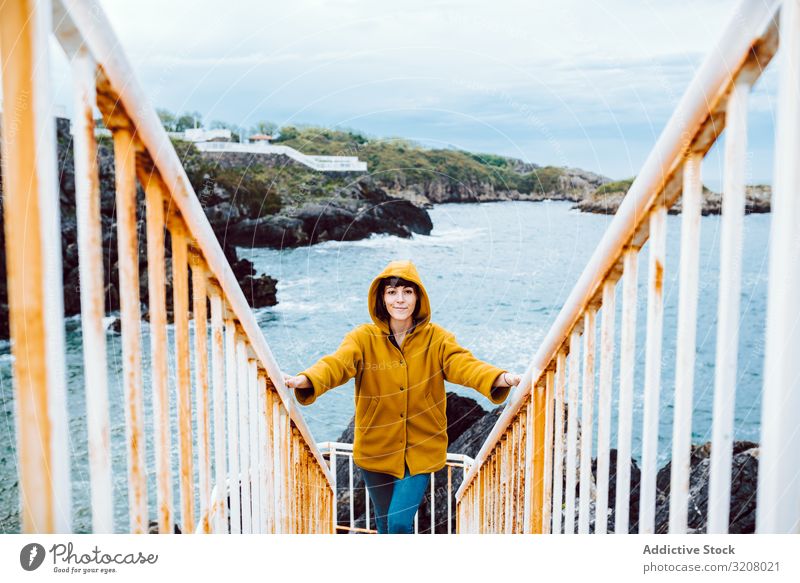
[[400, 301]]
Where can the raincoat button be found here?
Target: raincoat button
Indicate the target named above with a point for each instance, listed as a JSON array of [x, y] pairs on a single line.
[[401, 414], [402, 388]]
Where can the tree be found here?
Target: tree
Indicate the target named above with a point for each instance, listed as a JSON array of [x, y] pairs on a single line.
[[167, 119], [188, 121], [288, 133], [265, 127]]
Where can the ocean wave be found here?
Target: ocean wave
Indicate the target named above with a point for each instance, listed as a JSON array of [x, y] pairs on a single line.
[[290, 282], [376, 241], [453, 235]]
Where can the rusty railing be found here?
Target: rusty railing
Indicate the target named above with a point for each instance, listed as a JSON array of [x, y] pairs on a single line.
[[264, 457], [517, 481]]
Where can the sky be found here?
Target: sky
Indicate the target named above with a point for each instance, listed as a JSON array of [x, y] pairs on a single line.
[[579, 83]]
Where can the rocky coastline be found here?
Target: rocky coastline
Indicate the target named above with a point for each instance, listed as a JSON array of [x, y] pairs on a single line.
[[607, 201], [355, 212], [314, 207], [468, 427]]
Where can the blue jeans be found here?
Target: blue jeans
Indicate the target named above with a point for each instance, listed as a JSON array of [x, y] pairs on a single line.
[[395, 501]]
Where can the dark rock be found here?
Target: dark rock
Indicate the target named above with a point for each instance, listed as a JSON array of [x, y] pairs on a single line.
[[462, 413], [259, 289], [116, 326], [744, 481], [633, 509], [358, 212], [152, 528]]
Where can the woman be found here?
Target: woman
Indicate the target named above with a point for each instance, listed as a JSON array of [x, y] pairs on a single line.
[[400, 363]]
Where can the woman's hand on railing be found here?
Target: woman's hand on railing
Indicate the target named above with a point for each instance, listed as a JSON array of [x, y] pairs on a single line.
[[507, 379], [298, 382]]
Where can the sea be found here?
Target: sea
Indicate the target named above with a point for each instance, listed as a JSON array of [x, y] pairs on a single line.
[[497, 275]]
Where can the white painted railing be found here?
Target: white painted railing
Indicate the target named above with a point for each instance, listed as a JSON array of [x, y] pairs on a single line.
[[321, 163], [262, 447], [516, 483], [335, 450]]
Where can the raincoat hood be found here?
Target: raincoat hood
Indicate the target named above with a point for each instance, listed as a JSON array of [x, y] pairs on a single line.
[[407, 270]]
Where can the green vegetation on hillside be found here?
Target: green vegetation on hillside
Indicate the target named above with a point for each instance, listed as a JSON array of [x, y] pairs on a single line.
[[393, 163], [396, 163], [616, 187], [259, 191]]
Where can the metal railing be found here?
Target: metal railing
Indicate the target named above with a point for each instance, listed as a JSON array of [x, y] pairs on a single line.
[[517, 481], [263, 454], [335, 450]]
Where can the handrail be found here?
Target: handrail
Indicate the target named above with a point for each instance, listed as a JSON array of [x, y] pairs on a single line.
[[284, 483], [87, 19], [453, 460], [737, 60]]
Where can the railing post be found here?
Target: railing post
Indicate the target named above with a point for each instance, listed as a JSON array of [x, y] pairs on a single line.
[[334, 506], [652, 379], [231, 383], [587, 410], [350, 488], [538, 477], [244, 432], [180, 305], [218, 379], [277, 474], [778, 478], [626, 368], [511, 445], [558, 447], [730, 282], [547, 468], [285, 432], [92, 290], [155, 196], [572, 430], [604, 404], [33, 267], [262, 474], [255, 465], [685, 357], [433, 505], [366, 506], [203, 405], [269, 455], [449, 496], [128, 246]]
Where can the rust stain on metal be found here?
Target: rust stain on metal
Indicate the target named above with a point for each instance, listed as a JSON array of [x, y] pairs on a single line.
[[659, 277]]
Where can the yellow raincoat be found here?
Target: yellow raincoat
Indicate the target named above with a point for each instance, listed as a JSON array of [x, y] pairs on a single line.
[[399, 395]]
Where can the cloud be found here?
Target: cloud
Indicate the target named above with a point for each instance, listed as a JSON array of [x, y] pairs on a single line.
[[584, 82]]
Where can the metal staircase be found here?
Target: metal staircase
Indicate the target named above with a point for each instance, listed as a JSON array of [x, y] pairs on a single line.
[[526, 476]]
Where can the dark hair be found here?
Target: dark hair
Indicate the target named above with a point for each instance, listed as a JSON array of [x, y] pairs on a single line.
[[393, 281]]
